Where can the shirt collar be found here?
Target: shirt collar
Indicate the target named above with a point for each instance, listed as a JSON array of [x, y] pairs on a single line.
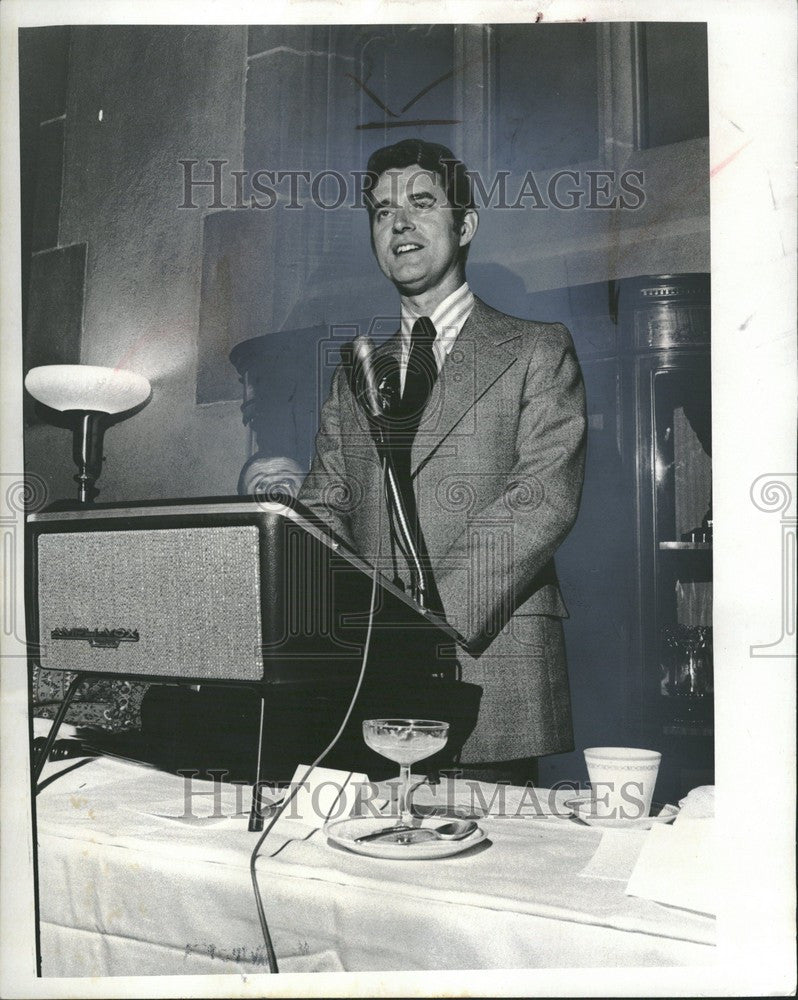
[[448, 318]]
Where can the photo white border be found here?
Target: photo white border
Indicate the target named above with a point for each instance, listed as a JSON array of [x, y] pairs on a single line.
[[752, 78]]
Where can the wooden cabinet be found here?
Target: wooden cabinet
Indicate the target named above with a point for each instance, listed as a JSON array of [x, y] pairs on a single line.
[[637, 567], [669, 370]]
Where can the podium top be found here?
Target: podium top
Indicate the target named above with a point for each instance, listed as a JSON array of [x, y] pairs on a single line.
[[71, 510], [73, 516]]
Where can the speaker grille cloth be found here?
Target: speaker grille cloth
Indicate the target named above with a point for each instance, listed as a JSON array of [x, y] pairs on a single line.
[[191, 593]]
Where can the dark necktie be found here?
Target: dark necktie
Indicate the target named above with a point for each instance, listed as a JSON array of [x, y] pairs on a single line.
[[422, 370]]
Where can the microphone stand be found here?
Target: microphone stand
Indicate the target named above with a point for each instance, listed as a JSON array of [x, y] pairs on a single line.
[[378, 403], [397, 513]]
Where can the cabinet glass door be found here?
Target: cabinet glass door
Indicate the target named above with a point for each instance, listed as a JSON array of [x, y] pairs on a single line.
[[682, 457]]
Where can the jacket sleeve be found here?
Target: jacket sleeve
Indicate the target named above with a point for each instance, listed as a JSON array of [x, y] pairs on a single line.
[[327, 490], [482, 583]]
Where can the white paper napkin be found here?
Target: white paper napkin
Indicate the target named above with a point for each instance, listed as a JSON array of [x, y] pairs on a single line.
[[677, 866], [324, 795], [616, 855]]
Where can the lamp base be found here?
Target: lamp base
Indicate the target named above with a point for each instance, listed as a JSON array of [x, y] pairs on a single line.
[[87, 450]]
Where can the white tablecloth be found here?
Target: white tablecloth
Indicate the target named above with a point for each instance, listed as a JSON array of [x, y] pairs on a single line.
[[128, 887]]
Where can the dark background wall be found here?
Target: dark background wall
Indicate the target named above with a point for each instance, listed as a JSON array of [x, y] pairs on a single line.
[[118, 271], [136, 101]]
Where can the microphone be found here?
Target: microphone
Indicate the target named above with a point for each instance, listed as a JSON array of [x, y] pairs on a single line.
[[362, 350], [373, 395]]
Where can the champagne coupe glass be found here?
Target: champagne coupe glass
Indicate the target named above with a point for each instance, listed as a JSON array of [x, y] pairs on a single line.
[[405, 741]]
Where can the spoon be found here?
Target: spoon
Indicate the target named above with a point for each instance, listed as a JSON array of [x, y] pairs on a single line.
[[453, 830]]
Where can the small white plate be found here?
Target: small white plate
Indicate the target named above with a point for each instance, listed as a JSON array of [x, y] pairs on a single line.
[[345, 831], [583, 807]]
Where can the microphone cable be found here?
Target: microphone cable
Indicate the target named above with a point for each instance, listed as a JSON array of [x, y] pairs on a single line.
[[264, 926]]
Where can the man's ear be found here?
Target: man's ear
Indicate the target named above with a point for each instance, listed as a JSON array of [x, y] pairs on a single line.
[[469, 226]]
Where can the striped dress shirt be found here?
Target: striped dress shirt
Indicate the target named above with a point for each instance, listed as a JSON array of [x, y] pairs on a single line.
[[448, 319]]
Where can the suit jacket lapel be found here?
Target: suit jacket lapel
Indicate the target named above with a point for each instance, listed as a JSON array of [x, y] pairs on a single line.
[[480, 355]]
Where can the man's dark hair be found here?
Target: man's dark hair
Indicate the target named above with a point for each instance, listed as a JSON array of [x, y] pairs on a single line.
[[426, 156]]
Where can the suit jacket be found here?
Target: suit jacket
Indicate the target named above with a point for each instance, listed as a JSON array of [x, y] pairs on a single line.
[[497, 466]]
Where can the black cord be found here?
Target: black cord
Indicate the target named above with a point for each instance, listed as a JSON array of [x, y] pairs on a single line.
[[39, 763], [272, 958], [54, 777]]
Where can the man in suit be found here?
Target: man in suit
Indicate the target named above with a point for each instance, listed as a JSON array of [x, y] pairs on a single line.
[[496, 462]]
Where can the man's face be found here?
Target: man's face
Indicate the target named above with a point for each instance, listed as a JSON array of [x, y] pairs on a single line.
[[413, 232]]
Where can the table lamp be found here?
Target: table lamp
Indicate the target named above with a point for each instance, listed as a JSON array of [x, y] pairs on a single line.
[[91, 396]]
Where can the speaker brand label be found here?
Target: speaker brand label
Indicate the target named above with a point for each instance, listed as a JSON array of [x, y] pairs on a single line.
[[98, 638]]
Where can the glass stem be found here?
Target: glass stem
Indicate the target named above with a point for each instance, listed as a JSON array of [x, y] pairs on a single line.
[[405, 817]]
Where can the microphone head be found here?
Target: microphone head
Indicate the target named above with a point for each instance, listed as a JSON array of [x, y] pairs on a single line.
[[362, 348], [356, 356]]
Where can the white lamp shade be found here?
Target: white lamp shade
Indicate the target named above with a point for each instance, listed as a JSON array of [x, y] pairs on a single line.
[[87, 387]]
